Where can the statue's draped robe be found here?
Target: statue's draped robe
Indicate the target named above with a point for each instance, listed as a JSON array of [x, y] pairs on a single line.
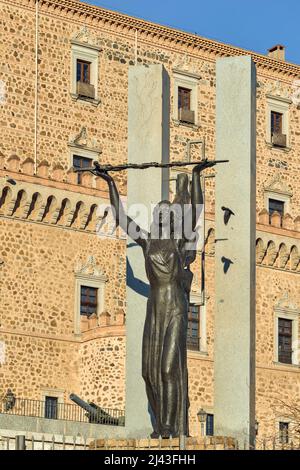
[[164, 340]]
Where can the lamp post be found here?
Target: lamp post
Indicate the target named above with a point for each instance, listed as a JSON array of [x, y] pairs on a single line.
[[202, 416], [9, 400]]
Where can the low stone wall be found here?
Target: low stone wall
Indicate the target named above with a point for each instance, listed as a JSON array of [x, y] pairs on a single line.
[[191, 443]]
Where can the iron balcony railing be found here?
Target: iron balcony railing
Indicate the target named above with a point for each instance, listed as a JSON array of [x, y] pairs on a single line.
[[62, 411]]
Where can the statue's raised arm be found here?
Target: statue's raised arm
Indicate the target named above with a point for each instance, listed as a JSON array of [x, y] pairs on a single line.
[[197, 199], [122, 219]]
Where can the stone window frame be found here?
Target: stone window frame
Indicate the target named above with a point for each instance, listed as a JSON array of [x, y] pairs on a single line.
[[190, 81], [288, 314], [285, 198], [86, 153], [55, 393], [88, 53], [283, 419], [98, 282], [196, 299], [276, 189], [280, 105]]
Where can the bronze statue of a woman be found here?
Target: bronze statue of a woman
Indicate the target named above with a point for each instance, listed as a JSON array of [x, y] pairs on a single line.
[[167, 261]]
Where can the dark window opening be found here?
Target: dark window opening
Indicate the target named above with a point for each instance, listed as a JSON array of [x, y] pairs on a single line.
[[88, 300], [276, 122], [83, 71], [210, 425], [285, 329], [184, 98], [283, 432], [80, 163], [193, 327], [51, 407], [276, 206]]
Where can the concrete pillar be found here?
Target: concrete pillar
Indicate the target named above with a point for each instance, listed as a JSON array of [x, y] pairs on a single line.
[[148, 141], [234, 377]]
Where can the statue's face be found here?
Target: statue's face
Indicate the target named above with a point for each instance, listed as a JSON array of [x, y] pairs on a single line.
[[182, 183], [163, 217]]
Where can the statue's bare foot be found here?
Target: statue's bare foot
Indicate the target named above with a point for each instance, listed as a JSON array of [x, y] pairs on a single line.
[[154, 435]]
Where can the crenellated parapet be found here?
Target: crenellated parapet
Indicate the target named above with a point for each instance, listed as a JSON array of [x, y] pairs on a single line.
[[287, 222], [279, 253], [49, 205], [56, 173]]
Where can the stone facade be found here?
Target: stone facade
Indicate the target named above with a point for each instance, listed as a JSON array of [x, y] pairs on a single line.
[[48, 221]]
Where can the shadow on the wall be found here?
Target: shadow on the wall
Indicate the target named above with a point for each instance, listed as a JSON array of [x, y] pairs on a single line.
[[226, 264], [137, 285]]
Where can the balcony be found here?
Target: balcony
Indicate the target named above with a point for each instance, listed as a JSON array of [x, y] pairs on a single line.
[[37, 416]]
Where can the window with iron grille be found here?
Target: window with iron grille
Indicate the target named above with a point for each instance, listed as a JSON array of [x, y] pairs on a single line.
[[283, 432], [193, 339], [51, 405], [276, 206], [88, 300], [210, 424], [81, 163], [285, 329], [276, 122], [184, 98], [83, 71]]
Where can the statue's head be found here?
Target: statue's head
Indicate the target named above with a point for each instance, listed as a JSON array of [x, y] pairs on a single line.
[[163, 220], [182, 183]]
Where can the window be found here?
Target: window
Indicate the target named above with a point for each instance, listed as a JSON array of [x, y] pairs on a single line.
[[83, 71], [193, 327], [184, 98], [80, 163], [51, 406], [283, 432], [285, 330], [89, 292], [88, 300], [276, 122], [277, 135], [210, 424], [276, 206]]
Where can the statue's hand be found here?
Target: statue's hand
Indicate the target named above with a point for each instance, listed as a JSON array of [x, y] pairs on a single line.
[[104, 175], [202, 166]]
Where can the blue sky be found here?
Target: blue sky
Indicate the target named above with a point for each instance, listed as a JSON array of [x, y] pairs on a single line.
[[252, 24]]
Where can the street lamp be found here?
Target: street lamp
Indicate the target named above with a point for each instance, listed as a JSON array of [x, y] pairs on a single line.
[[202, 415], [9, 400]]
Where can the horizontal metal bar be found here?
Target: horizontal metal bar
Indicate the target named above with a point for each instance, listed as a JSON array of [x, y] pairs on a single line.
[[105, 168]]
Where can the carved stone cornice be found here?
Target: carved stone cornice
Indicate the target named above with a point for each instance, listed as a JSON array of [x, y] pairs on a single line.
[[89, 269], [84, 141], [170, 34], [162, 32], [287, 305], [277, 185]]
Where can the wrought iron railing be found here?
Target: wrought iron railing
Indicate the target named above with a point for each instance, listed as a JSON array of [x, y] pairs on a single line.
[[62, 411]]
